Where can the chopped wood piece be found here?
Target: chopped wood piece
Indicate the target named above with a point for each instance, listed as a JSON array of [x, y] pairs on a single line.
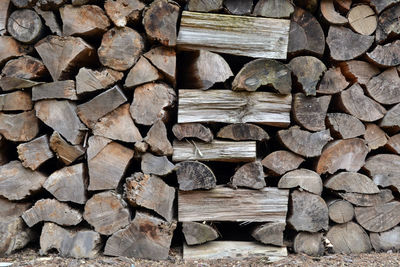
[[142, 72], [198, 233], [305, 179], [250, 175], [310, 112], [107, 212], [35, 153], [164, 59], [234, 107], [380, 5], [25, 26], [384, 170], [280, 162], [344, 44], [362, 19], [10, 83], [374, 136], [331, 15], [379, 218], [68, 184], [243, 132], [16, 101], [50, 4], [368, 200], [89, 80], [146, 237], [393, 144], [156, 165], [332, 82], [226, 151], [141, 147], [344, 126], [122, 12], [385, 241], [358, 71], [204, 6], [14, 235], [10, 48], [340, 211], [157, 139], [193, 175], [243, 7], [270, 233], [261, 72], [226, 204], [269, 36], [159, 96], [59, 90], [20, 127], [25, 67], [91, 111], [388, 24], [64, 151], [192, 130], [349, 238], [309, 244], [51, 210], [304, 143], [96, 145], [391, 118], [107, 167], [82, 243], [354, 102], [10, 210], [273, 8], [351, 182], [383, 88], [140, 190], [387, 55], [50, 20]]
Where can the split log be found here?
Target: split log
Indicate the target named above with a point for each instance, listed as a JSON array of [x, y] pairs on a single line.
[[344, 126], [388, 24], [107, 212], [50, 4], [50, 20], [25, 67], [25, 26], [146, 237], [69, 243], [58, 90], [10, 83], [387, 55], [308, 71], [309, 212], [332, 82], [164, 59], [226, 151], [16, 101], [20, 127], [331, 15], [62, 117], [385, 241], [368, 200], [10, 48], [381, 5], [194, 175], [96, 145], [226, 204], [375, 136], [156, 165], [250, 175], [63, 150], [159, 96], [379, 218], [269, 36], [362, 19], [354, 102], [393, 144], [351, 182], [340, 211], [383, 87], [35, 153], [204, 6], [349, 238], [309, 244], [391, 120], [51, 210], [142, 72], [243, 7], [68, 184], [192, 130], [61, 55], [198, 233], [262, 72], [304, 143], [10, 210], [243, 132], [280, 162], [270, 233], [14, 235], [234, 107], [122, 12], [89, 80], [384, 169], [344, 44], [4, 13], [358, 71], [157, 139], [120, 48], [305, 179], [140, 190], [310, 112], [273, 8]]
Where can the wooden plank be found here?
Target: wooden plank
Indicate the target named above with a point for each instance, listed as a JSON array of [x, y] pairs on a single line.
[[253, 37], [217, 150], [226, 204], [234, 107]]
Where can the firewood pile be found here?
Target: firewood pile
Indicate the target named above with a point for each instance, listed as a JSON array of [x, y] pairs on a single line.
[[236, 128]]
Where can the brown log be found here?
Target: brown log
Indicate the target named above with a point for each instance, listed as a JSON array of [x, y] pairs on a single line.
[[160, 166], [35, 153], [351, 182], [381, 5], [309, 244], [391, 120], [157, 139], [330, 14], [11, 83], [243, 7], [305, 179], [340, 211], [58, 90], [20, 127], [16, 101], [358, 71], [385, 241], [347, 154], [122, 12], [10, 48], [273, 8], [270, 233], [368, 200], [164, 59], [198, 233], [204, 6], [10, 210], [192, 130], [25, 26], [142, 72], [50, 20], [64, 151], [387, 24], [4, 13], [25, 67], [349, 238], [383, 87], [140, 190], [14, 235], [250, 175], [379, 218], [344, 126], [310, 112], [393, 144], [89, 80], [193, 175], [332, 82], [385, 55], [384, 170], [243, 132], [107, 212], [50, 4], [375, 136], [280, 162], [362, 19]]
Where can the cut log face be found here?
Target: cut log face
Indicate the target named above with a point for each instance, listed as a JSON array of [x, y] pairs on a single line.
[[243, 7], [89, 80], [243, 132], [157, 139], [156, 165], [384, 170], [25, 67], [362, 19], [140, 190], [58, 90], [35, 153], [250, 175], [387, 55], [10, 210], [270, 233], [332, 82], [25, 26], [10, 48], [344, 126], [282, 161], [383, 87], [351, 182], [198, 233], [393, 143], [122, 12], [330, 14], [50, 20], [341, 211], [16, 101], [375, 136], [368, 200], [303, 178], [379, 218], [164, 59], [201, 6], [388, 24], [349, 238], [51, 210], [358, 71], [192, 130], [310, 112], [381, 5], [142, 72], [4, 12], [309, 244], [64, 151], [273, 8], [75, 244], [14, 235], [107, 212], [20, 127], [385, 241], [146, 237], [391, 118], [194, 175], [68, 184], [95, 145]]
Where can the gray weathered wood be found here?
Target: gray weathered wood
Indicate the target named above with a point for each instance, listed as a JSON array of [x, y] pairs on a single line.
[[282, 161], [11, 83], [156, 165], [340, 211], [391, 118], [385, 241], [205, 6], [14, 235], [393, 143], [375, 136], [349, 238], [10, 48], [386, 55], [192, 130], [122, 12], [250, 175], [387, 26], [10, 210], [344, 126], [19, 127], [193, 175], [66, 152], [198, 233], [25, 26], [243, 7], [157, 139], [25, 67], [309, 244], [35, 153], [243, 132], [59, 90], [273, 8], [142, 72], [383, 87], [89, 80], [351, 182], [50, 20], [384, 169], [379, 218], [305, 179], [270, 233], [368, 200], [164, 59], [310, 112], [16, 101], [4, 12], [332, 82], [381, 5]]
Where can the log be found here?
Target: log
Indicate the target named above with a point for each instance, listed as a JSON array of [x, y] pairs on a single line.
[[307, 70], [383, 87], [16, 101], [225, 204], [95, 145], [234, 7], [25, 26], [379, 218], [107, 212], [142, 72], [309, 244], [381, 5], [198, 233], [58, 90], [310, 112], [4, 13], [120, 48], [68, 184], [344, 126], [89, 80], [50, 4], [10, 48], [305, 179], [387, 24], [225, 151], [332, 82], [384, 170], [243, 132], [349, 238], [25, 67], [309, 212], [11, 83], [368, 200], [263, 72], [82, 243], [157, 139], [192, 130], [164, 59], [50, 20], [160, 166], [340, 211], [344, 44], [61, 55], [331, 15], [270, 233], [391, 119], [34, 153], [250, 175], [385, 55], [351, 182], [204, 6], [193, 175], [393, 144], [269, 36], [20, 127], [10, 210], [140, 190], [363, 20], [159, 96], [358, 71], [273, 8], [281, 161], [375, 136], [51, 210], [14, 235], [385, 241], [234, 107], [123, 12], [64, 151]]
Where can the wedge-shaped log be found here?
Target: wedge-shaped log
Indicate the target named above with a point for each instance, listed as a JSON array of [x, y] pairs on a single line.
[[332, 82], [388, 23], [351, 182], [282, 161], [358, 71], [164, 59], [381, 5], [385, 241], [387, 55], [309, 244], [391, 120], [349, 238], [20, 127], [10, 48], [59, 90], [35, 153], [243, 132], [122, 12], [89, 80], [156, 165], [50, 20], [10, 210], [375, 136], [368, 200], [157, 139], [198, 233], [344, 126], [310, 112], [192, 130], [384, 170], [142, 72], [383, 88], [250, 175], [66, 152], [305, 179], [11, 83], [379, 218], [16, 101], [193, 175], [25, 67], [270, 233], [393, 143]]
